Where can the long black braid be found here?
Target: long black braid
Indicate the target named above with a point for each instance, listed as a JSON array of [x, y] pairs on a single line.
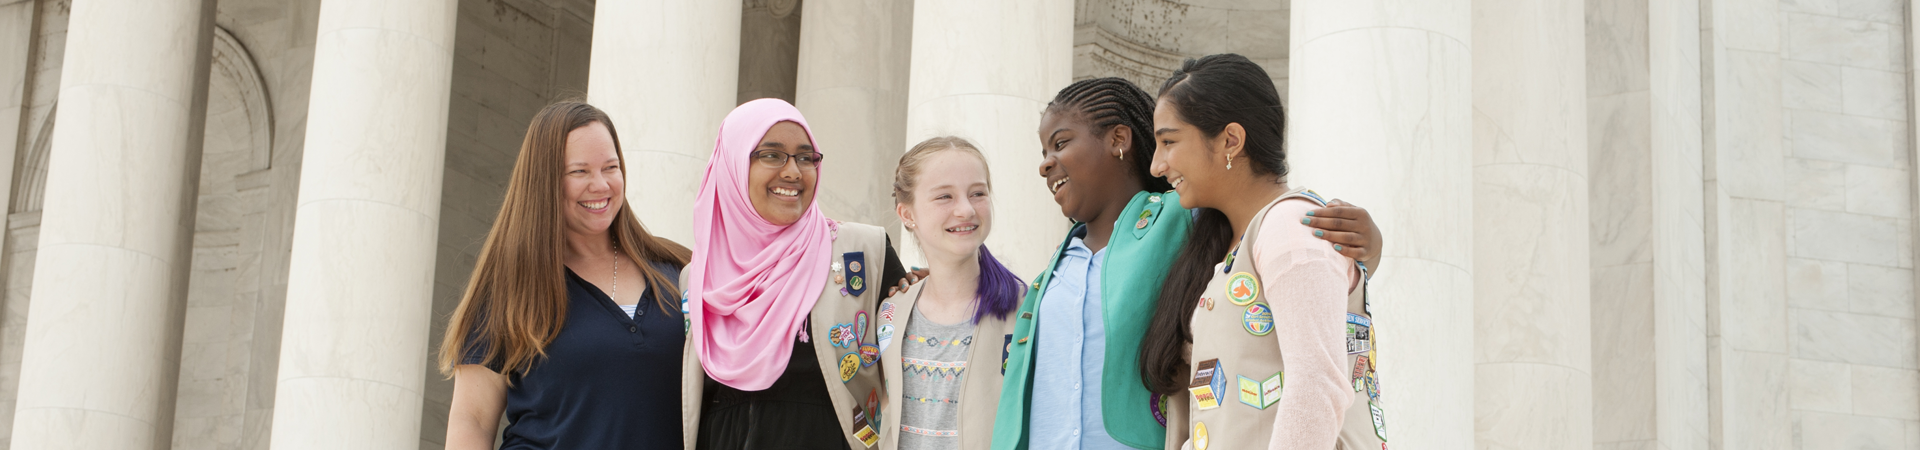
[[1109, 102]]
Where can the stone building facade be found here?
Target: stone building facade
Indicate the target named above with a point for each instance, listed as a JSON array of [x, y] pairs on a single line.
[[1611, 224]]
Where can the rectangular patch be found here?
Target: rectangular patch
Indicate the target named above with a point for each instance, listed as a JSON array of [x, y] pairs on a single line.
[[1209, 382], [1250, 392], [1270, 389]]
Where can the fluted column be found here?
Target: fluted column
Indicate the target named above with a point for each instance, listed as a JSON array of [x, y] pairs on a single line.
[[1381, 116], [1533, 336], [666, 73], [853, 89], [361, 283], [983, 70], [109, 291]]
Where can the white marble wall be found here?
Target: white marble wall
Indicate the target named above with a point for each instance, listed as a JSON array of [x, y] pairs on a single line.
[[1532, 318], [984, 71], [1847, 224], [1644, 116], [1145, 40], [852, 86], [1386, 90], [667, 75]]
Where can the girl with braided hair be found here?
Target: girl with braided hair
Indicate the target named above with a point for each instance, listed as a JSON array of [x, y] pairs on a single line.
[[1074, 379]]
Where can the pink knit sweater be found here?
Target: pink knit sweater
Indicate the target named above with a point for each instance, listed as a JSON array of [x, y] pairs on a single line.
[[1306, 283]]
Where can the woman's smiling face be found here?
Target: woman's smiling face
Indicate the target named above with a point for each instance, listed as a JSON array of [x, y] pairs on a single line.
[[595, 185], [781, 195]]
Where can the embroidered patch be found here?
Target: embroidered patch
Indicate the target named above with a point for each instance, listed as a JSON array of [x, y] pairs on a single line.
[[868, 354], [849, 365], [1379, 420], [856, 271], [1006, 349], [886, 311], [1158, 403], [1242, 288], [1258, 320], [862, 429], [1209, 382], [1270, 389], [1359, 334], [859, 326], [1200, 440], [885, 336]]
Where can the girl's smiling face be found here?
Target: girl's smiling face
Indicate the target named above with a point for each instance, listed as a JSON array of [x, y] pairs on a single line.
[[781, 194], [1191, 161], [1082, 168]]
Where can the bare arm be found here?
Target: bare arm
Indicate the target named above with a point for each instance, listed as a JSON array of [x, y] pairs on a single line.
[[479, 396]]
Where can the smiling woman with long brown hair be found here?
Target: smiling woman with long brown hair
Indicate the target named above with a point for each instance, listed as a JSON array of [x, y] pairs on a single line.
[[546, 333]]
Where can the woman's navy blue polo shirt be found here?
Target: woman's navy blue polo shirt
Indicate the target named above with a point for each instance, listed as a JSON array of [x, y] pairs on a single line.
[[608, 380]]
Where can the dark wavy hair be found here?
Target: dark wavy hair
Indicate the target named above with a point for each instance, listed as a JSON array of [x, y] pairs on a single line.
[[999, 290], [1209, 93], [1110, 102]]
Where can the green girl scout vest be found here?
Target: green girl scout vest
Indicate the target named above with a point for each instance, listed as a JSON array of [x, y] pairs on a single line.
[[1238, 375], [840, 328], [1146, 239]]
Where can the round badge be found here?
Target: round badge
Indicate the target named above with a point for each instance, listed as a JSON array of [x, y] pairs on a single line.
[[849, 365], [853, 266], [868, 354], [1200, 440], [856, 282], [1258, 319], [1242, 288]]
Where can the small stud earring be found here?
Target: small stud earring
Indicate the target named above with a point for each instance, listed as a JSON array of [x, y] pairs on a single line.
[[1229, 163]]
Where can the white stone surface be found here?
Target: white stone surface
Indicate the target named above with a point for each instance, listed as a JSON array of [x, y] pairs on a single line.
[[667, 74], [983, 71], [364, 241], [1533, 340], [114, 256], [1811, 86], [1386, 89], [852, 86]]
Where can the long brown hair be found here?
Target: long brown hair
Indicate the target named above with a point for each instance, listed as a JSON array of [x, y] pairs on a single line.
[[516, 301]]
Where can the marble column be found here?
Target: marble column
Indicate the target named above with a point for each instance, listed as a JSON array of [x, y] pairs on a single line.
[[100, 362], [1382, 117], [667, 73], [1533, 376], [360, 288], [853, 89], [1646, 210], [1746, 199], [16, 44], [984, 70]]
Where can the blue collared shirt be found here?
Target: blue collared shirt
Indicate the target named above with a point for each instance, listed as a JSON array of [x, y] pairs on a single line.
[[1066, 396]]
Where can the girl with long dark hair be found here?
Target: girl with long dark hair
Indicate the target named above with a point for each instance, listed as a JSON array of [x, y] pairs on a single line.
[[1266, 308]]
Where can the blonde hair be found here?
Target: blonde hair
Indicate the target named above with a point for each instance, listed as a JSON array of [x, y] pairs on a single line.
[[516, 301], [998, 290]]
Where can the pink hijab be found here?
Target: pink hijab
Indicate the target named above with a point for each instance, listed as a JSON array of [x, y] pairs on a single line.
[[751, 283]]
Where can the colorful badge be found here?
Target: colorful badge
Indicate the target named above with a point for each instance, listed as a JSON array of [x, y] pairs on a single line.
[[856, 273], [1359, 371], [862, 429], [1006, 349], [868, 354], [1379, 420], [873, 405], [1242, 288], [860, 326], [686, 313], [1258, 320], [1270, 389], [843, 336], [885, 336], [1373, 385], [1250, 392], [849, 365], [1200, 440], [1209, 382], [1359, 334], [1144, 215], [886, 311]]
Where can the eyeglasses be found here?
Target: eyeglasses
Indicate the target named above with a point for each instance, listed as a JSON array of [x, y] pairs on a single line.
[[774, 159]]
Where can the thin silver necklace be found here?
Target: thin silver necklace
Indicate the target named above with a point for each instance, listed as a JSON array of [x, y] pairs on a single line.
[[616, 275]]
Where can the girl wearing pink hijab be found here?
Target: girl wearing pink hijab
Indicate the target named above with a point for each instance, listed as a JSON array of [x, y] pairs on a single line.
[[780, 300]]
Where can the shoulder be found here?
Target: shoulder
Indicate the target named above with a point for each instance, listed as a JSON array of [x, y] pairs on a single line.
[[1281, 232], [862, 232]]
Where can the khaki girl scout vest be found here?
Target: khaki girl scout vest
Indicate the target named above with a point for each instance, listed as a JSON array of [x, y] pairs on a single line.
[[980, 385], [840, 330], [1236, 369]]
